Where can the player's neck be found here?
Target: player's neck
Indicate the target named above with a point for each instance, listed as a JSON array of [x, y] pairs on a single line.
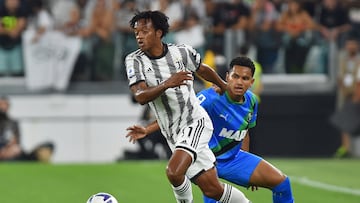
[[158, 51], [235, 99]]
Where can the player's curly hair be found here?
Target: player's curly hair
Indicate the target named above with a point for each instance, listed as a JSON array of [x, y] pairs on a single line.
[[242, 61], [158, 19]]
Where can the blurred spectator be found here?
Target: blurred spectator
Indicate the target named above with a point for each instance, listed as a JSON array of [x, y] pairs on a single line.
[[12, 24], [102, 28], [265, 36], [172, 9], [70, 18], [347, 115], [297, 27], [334, 21], [40, 19], [279, 5], [191, 30], [125, 41], [310, 6], [9, 134], [10, 148], [354, 16], [230, 25]]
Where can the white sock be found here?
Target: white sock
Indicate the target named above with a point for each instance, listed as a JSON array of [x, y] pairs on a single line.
[[183, 192], [232, 195]]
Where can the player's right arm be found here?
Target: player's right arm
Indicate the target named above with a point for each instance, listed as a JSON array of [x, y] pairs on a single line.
[[144, 94], [137, 132]]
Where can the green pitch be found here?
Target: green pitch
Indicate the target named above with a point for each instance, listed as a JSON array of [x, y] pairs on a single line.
[[313, 181]]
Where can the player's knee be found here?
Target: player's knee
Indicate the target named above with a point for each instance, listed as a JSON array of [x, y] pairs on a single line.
[[174, 176], [280, 178]]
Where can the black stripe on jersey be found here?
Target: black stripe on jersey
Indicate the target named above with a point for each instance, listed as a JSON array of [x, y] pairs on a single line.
[[163, 97], [189, 150], [137, 70], [183, 55], [189, 118], [197, 134], [179, 95], [190, 107], [193, 58]]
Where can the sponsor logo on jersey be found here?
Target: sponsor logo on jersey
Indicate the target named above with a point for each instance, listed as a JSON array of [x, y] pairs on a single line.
[[237, 135]]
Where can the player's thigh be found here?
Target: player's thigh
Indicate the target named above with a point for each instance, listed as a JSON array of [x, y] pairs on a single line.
[[240, 169], [194, 140]]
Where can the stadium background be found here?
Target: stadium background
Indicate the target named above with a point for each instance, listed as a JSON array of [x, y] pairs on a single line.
[[90, 115], [87, 122]]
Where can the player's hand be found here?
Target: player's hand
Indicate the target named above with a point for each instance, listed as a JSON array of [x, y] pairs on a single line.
[[178, 79], [218, 89], [253, 187], [135, 132]]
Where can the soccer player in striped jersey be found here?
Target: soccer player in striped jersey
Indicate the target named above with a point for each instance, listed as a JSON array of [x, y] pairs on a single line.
[[162, 75], [232, 115]]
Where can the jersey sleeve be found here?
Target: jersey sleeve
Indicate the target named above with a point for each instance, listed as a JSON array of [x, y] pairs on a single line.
[[254, 108], [194, 58], [206, 97], [133, 70]]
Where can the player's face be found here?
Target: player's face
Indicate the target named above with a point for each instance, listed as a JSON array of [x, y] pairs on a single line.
[[239, 81], [146, 36]]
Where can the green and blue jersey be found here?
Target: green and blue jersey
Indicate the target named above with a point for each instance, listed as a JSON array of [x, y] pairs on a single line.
[[231, 120]]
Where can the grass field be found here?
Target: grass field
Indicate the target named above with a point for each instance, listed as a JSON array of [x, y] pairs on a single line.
[[313, 181]]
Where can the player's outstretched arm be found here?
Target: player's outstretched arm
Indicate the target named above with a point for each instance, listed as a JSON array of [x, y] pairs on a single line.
[[137, 132]]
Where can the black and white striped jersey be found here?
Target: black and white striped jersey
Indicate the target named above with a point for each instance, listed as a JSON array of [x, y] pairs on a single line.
[[176, 107]]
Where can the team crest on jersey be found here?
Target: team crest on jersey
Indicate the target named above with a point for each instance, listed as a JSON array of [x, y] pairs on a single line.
[[149, 69], [179, 64], [249, 117], [131, 72]]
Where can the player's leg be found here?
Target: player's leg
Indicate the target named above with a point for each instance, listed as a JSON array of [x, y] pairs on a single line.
[[204, 174], [237, 170], [175, 171], [216, 190], [268, 176], [202, 171]]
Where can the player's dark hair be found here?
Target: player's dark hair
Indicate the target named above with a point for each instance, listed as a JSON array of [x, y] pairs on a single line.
[[242, 61], [158, 19]]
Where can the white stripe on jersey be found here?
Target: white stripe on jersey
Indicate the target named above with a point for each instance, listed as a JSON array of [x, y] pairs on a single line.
[[175, 108]]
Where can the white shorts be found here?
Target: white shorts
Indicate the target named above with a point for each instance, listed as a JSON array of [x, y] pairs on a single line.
[[194, 140]]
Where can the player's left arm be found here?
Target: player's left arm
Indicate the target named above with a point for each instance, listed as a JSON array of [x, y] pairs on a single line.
[[209, 74], [246, 142], [137, 132], [252, 123]]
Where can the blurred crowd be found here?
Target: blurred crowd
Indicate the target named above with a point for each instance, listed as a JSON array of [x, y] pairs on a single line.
[[283, 36]]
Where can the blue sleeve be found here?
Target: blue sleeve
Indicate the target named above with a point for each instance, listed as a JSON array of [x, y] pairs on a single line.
[[254, 108], [206, 97]]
